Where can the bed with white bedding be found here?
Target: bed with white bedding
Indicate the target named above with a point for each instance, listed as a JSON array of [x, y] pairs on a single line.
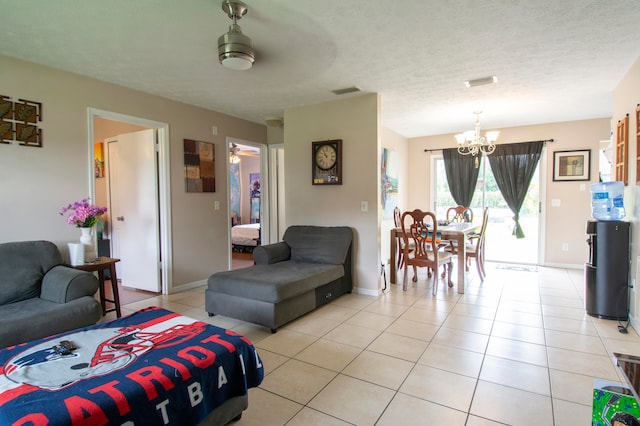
[[247, 235]]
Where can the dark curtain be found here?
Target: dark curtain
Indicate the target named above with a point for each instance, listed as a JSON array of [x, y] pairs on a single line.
[[462, 175], [513, 166]]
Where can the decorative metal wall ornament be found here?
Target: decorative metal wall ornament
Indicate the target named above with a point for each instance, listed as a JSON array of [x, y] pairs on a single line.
[[18, 122]]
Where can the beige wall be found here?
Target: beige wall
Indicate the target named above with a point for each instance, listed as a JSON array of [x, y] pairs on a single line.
[[563, 224], [625, 99], [37, 182], [355, 121], [400, 145]]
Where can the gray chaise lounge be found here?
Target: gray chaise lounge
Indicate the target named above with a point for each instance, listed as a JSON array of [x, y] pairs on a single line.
[[310, 267], [39, 296]]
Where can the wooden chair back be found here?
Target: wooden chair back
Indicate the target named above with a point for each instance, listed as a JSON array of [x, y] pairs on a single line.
[[459, 214], [476, 250], [396, 216], [418, 229]]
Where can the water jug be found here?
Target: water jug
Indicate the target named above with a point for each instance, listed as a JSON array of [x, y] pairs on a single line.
[[607, 200]]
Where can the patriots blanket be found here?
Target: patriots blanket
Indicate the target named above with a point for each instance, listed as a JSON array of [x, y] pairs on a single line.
[[153, 367]]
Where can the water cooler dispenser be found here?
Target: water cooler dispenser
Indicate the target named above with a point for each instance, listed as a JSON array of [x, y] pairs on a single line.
[[607, 270]]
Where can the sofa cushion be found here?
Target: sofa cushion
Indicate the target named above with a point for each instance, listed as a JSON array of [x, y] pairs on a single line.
[[271, 253], [319, 244], [22, 266], [45, 318], [275, 282]]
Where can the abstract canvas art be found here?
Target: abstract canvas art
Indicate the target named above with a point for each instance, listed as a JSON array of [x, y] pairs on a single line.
[[199, 166], [389, 182], [254, 196]]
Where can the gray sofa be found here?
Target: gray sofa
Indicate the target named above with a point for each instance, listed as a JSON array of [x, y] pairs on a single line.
[[40, 296], [310, 267]]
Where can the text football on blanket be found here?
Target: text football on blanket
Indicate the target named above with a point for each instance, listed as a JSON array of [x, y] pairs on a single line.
[[310, 267]]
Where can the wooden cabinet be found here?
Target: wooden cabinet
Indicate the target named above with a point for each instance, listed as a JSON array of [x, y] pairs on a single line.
[[622, 150], [638, 144]]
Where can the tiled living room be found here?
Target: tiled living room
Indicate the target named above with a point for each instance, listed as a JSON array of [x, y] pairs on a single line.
[[518, 349]]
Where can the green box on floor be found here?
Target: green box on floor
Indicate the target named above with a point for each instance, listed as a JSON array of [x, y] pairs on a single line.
[[614, 405]]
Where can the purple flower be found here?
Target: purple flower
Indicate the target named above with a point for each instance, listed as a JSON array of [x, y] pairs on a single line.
[[84, 215]]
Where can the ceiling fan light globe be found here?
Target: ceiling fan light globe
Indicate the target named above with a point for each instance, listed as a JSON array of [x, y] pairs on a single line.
[[235, 50], [236, 63]]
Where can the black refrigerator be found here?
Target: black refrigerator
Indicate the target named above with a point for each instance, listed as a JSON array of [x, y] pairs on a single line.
[[607, 270]]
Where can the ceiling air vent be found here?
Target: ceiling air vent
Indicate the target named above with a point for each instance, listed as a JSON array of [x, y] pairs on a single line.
[[346, 90]]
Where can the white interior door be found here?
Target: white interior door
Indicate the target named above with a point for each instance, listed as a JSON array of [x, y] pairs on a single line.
[[134, 209]]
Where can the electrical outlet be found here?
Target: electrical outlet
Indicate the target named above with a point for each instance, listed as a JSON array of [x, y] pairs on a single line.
[[216, 205], [565, 246], [364, 206]]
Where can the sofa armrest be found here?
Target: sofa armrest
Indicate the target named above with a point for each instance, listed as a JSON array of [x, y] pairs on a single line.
[[271, 253], [63, 284]]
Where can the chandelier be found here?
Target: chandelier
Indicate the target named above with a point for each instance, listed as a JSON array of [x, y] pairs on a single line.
[[470, 142]]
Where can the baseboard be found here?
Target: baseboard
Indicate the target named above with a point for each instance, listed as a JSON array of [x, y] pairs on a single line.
[[564, 265], [366, 291], [188, 286]]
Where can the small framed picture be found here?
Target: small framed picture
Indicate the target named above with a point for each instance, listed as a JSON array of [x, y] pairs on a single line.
[[572, 165]]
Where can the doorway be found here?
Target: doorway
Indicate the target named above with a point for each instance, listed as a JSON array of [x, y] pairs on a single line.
[[100, 124], [248, 200]]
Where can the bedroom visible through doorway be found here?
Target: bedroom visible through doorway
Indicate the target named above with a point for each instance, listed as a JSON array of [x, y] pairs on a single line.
[[245, 201]]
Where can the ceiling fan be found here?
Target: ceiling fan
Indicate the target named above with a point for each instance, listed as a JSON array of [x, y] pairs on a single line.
[[247, 151]]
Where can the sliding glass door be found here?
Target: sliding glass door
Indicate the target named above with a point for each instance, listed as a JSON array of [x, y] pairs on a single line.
[[501, 245]]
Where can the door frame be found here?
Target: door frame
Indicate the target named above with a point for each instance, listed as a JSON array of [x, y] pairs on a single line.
[[264, 191], [165, 261], [276, 188]]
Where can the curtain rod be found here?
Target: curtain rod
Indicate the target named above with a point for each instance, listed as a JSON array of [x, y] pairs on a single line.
[[544, 141]]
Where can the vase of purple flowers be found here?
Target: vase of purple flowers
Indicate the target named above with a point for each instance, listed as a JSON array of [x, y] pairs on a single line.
[[84, 215]]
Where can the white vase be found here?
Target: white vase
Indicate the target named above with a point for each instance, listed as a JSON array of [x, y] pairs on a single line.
[[86, 237], [89, 246]]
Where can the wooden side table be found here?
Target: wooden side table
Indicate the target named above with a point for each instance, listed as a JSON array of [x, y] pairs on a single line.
[[100, 265]]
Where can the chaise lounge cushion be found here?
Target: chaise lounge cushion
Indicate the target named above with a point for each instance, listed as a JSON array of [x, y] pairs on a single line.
[[275, 282], [330, 245]]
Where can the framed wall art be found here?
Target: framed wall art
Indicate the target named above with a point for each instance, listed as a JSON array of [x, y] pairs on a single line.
[[199, 166], [572, 165]]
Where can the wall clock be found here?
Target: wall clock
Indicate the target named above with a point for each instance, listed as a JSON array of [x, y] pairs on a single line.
[[326, 162]]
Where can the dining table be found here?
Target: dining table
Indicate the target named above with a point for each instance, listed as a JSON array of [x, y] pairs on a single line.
[[456, 231]]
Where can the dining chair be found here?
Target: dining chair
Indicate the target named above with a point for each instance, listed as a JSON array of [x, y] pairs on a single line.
[[421, 229], [397, 222], [475, 246], [458, 213]]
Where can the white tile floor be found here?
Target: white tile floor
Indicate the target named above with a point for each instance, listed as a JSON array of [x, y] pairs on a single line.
[[517, 349]]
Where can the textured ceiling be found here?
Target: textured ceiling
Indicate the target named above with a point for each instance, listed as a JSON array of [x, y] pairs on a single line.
[[556, 60]]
